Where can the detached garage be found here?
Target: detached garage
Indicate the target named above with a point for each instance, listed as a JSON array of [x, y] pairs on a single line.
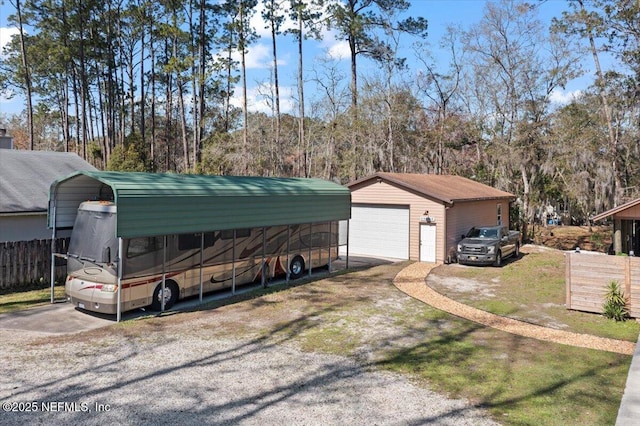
[[420, 217]]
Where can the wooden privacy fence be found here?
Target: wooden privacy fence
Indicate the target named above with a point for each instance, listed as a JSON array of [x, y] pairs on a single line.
[[27, 263], [588, 276]]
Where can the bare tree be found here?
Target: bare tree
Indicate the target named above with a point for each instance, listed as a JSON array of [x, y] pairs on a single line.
[[440, 88], [517, 76]]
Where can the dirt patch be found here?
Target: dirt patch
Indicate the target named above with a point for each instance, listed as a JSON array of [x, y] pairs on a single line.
[[476, 290], [595, 238]]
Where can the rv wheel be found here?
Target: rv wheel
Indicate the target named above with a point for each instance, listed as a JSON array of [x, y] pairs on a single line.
[[170, 296], [296, 267]]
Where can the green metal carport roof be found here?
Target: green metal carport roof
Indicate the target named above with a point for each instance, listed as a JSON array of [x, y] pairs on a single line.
[[163, 204]]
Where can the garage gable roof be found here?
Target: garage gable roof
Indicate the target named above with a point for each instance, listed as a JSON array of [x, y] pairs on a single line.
[[447, 189], [162, 204]]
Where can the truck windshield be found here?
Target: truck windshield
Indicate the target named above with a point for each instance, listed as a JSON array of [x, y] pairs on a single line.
[[93, 233], [482, 233]]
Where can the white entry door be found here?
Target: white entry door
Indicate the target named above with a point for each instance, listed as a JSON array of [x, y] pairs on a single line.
[[427, 243]]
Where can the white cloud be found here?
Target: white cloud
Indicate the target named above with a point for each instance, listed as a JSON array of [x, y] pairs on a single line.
[[5, 36], [258, 56], [339, 49], [262, 27], [561, 97], [259, 98]]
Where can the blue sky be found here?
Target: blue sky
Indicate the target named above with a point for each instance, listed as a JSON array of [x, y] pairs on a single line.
[[439, 13]]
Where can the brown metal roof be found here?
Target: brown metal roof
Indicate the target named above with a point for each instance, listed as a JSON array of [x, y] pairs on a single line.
[[616, 210], [445, 188]]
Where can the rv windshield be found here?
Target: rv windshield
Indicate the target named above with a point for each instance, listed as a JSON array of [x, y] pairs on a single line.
[[94, 237]]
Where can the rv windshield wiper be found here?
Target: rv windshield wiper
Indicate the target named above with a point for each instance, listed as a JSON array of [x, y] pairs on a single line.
[[83, 259]]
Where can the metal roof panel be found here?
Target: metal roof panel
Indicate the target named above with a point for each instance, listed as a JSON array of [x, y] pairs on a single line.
[[159, 204]]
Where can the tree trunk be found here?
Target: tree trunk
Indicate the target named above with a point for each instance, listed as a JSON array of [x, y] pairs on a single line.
[[302, 156], [202, 76], [245, 112], [278, 147], [152, 53], [613, 140], [183, 125], [27, 77]]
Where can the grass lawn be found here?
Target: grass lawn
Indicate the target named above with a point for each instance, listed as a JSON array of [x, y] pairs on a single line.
[[521, 381], [27, 299], [530, 289]]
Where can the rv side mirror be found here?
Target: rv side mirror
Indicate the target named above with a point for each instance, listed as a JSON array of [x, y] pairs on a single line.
[[106, 255]]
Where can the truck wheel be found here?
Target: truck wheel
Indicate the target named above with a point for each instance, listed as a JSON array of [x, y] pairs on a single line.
[[296, 267], [498, 261], [517, 253], [170, 296]]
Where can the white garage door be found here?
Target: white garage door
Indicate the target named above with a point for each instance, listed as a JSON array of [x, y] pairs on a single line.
[[379, 230]]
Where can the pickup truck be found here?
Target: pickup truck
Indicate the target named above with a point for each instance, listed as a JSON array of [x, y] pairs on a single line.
[[488, 245]]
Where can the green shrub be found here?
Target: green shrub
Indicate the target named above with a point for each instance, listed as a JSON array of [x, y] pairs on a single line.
[[615, 305]]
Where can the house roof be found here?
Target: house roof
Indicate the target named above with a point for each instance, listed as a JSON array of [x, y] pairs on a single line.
[[618, 209], [162, 204], [447, 189], [26, 176]]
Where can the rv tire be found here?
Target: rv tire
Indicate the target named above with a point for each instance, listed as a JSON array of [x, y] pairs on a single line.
[[171, 291], [296, 267]]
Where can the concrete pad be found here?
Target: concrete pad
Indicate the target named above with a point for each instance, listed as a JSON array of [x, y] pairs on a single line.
[[57, 318], [64, 318]]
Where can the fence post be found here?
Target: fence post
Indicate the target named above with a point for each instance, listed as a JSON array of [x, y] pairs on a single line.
[[627, 278]]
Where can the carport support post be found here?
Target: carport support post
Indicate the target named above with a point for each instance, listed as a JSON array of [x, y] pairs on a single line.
[[330, 237], [53, 255], [264, 266], [288, 261], [233, 264], [348, 220], [164, 271], [120, 268], [201, 263], [310, 245]]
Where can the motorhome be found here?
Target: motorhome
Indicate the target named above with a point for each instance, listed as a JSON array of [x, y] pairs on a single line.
[[187, 263]]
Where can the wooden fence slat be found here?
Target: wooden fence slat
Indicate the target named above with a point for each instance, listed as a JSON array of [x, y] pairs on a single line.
[[588, 276], [28, 263]]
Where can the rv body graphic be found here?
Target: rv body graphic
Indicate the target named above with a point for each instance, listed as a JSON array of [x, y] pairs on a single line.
[[221, 259]]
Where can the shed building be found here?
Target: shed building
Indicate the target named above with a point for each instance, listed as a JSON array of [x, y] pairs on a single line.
[[626, 227], [420, 216]]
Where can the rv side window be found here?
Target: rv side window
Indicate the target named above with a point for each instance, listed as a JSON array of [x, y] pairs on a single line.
[[193, 241], [144, 245], [240, 233], [316, 240]]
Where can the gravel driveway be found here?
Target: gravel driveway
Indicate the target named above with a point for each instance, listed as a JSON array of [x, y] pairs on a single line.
[[176, 371]]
